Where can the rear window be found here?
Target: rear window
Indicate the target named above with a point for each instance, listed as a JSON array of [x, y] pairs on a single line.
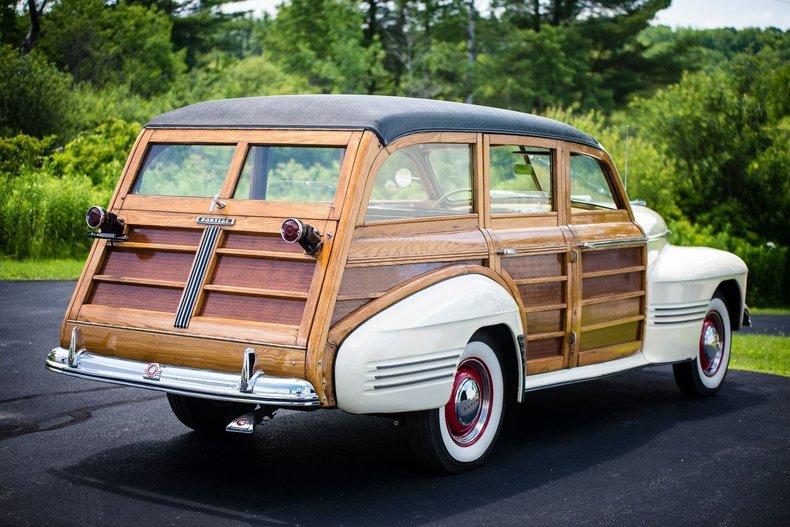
[[290, 173], [184, 170], [272, 173]]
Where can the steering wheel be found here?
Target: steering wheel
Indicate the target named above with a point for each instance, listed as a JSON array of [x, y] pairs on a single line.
[[449, 193]]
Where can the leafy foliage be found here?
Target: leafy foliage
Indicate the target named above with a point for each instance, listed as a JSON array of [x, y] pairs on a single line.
[[34, 95], [697, 120], [119, 45]]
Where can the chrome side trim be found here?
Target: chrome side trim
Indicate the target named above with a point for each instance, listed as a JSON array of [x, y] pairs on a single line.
[[678, 314], [196, 275], [659, 236], [624, 242], [208, 384]]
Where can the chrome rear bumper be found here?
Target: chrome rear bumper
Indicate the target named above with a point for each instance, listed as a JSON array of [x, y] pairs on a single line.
[[260, 389]]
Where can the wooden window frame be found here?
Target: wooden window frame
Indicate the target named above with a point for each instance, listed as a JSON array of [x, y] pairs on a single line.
[[526, 219], [369, 176], [623, 211], [243, 139]]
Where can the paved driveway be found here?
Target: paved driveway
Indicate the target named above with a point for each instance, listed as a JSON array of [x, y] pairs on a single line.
[[626, 450]]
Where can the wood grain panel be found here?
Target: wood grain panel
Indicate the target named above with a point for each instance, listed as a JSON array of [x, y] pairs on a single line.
[[410, 246], [259, 242], [545, 364], [611, 259], [606, 353], [534, 266], [598, 313], [344, 307], [542, 294], [181, 350], [546, 321], [165, 235], [242, 307], [135, 296], [380, 278], [280, 275], [614, 284], [155, 265], [551, 347], [609, 336]]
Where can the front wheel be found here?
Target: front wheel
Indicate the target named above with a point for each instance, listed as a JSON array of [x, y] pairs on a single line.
[[458, 436], [703, 376]]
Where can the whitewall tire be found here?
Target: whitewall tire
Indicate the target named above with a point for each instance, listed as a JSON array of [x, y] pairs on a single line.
[[704, 375], [458, 436]]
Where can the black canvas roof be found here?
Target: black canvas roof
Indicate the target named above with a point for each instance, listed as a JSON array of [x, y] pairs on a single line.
[[389, 117]]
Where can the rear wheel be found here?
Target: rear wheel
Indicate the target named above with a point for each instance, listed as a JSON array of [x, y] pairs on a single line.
[[459, 436], [206, 415], [703, 376]]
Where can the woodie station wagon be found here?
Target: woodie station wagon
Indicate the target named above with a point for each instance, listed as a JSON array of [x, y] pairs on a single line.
[[423, 260]]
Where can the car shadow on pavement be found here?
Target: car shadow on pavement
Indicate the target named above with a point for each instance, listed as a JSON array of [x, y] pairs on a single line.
[[323, 468]]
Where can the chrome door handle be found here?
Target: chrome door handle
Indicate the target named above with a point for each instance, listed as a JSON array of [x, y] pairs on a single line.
[[506, 251]]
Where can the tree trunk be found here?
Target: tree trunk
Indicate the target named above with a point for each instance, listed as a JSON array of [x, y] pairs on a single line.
[[35, 25], [471, 52]]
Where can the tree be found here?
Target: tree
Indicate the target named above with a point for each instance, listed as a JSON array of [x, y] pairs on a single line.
[[727, 135], [122, 44], [34, 96], [323, 41]]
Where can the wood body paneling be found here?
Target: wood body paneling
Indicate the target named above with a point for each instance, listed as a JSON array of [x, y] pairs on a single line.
[[296, 309], [258, 290]]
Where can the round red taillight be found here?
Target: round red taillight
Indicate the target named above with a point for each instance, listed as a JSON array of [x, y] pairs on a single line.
[[95, 217], [292, 230]]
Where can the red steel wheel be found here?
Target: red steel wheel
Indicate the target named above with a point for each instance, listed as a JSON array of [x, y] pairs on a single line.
[[469, 409]]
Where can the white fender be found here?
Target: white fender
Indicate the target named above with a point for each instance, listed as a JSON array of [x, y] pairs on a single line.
[[680, 285], [404, 358]]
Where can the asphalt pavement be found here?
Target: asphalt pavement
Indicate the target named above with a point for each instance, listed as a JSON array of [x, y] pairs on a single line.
[[625, 450]]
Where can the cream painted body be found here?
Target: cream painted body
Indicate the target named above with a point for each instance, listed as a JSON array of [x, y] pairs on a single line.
[[404, 358], [680, 284]]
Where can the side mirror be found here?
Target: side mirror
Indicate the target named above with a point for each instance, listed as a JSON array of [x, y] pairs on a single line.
[[521, 169], [403, 177]]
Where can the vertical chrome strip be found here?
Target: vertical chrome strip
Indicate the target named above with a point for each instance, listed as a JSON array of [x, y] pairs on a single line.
[[196, 275]]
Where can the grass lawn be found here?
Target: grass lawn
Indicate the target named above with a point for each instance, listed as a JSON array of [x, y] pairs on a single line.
[[769, 310], [763, 353], [56, 269]]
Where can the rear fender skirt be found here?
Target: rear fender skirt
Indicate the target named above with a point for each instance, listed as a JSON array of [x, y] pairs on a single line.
[[404, 357]]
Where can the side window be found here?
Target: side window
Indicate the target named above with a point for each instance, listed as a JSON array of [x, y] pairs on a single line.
[[423, 180], [590, 188], [520, 180]]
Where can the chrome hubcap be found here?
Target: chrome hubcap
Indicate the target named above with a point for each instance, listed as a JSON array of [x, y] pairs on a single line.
[[469, 408], [711, 344], [467, 401]]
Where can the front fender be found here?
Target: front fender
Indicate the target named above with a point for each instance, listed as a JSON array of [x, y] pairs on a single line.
[[404, 358], [680, 285]]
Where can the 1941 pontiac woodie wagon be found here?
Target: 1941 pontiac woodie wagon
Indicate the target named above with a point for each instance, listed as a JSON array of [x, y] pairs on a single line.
[[430, 261]]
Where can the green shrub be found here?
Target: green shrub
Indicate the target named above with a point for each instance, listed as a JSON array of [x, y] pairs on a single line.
[[42, 216], [99, 153], [35, 97], [768, 283], [21, 153]]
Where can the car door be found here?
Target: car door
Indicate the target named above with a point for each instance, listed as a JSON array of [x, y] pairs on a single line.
[[609, 256], [532, 247]]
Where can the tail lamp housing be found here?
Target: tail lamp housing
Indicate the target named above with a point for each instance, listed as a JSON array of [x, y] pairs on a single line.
[[107, 222], [295, 231]]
